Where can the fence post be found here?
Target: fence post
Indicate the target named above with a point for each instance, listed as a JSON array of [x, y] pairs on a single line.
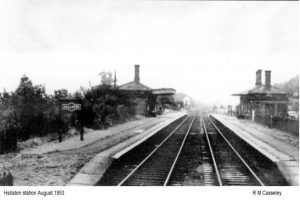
[[271, 121], [79, 115], [59, 123], [81, 131]]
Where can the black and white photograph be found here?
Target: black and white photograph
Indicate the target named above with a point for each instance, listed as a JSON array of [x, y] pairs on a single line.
[[98, 94]]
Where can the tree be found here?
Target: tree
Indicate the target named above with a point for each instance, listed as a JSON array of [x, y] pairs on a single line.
[[25, 86], [106, 78], [31, 103], [29, 111], [102, 104], [61, 93], [79, 94], [4, 100]]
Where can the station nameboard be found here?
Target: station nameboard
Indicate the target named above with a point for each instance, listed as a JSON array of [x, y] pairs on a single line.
[[71, 106]]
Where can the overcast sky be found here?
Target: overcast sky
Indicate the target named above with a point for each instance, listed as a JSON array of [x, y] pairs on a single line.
[[208, 50]]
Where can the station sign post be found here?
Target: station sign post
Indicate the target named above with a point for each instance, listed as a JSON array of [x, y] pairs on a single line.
[[70, 105]]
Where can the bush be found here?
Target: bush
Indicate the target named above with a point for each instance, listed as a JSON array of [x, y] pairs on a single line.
[[8, 131], [30, 112], [102, 105], [6, 178], [8, 140]]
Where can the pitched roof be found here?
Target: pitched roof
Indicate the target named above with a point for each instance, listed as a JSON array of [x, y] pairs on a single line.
[[261, 89], [133, 86]]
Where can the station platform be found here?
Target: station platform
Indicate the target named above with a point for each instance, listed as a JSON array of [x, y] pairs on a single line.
[[280, 147], [92, 172]]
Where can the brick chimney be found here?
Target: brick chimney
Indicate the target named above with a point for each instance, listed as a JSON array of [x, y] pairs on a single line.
[[268, 79], [258, 78], [137, 73]]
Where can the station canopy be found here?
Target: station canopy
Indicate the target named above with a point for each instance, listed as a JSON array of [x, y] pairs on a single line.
[[163, 91]]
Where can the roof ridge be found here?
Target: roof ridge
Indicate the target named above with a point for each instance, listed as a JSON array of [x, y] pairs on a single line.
[[135, 84]]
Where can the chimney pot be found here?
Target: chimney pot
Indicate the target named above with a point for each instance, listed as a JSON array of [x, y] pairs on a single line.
[[137, 73], [258, 78], [268, 79]]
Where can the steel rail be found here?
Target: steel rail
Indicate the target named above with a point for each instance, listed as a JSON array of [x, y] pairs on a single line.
[[179, 152], [238, 155], [137, 167], [212, 154]]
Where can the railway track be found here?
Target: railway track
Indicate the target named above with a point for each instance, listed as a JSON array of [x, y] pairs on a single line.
[[191, 151], [158, 166], [155, 168], [229, 165], [194, 166]]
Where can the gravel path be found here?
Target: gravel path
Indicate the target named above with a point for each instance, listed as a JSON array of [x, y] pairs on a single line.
[[53, 169]]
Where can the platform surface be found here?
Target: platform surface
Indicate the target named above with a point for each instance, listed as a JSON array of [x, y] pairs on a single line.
[[92, 172], [280, 147]]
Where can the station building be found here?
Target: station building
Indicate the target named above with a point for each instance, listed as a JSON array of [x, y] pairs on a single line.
[[147, 101], [263, 101]]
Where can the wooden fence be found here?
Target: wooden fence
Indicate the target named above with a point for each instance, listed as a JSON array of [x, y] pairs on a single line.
[[283, 124]]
